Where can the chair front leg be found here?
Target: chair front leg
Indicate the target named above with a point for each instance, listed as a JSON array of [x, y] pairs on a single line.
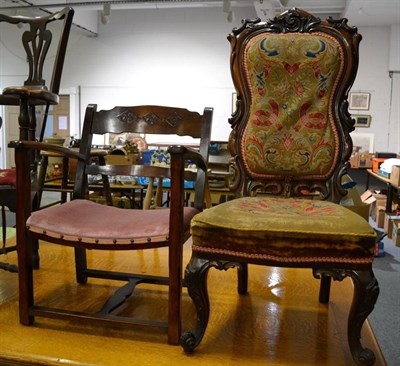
[[196, 281], [366, 291]]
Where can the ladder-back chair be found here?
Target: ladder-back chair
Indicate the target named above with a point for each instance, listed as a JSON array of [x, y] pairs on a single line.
[[83, 224]]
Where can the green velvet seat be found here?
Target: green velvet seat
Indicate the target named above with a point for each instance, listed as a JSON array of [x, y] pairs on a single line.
[[292, 231], [290, 145]]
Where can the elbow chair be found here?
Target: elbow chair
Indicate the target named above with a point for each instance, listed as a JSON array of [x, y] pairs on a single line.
[[83, 224], [36, 40], [290, 145]]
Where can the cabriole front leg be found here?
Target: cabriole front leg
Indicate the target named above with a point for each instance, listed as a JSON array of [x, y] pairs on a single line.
[[196, 281], [366, 291]]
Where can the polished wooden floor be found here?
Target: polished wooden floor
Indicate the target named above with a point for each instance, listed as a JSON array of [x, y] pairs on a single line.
[[279, 322]]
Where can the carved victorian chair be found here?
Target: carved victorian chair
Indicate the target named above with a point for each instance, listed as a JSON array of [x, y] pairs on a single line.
[[289, 146], [36, 41], [83, 224]]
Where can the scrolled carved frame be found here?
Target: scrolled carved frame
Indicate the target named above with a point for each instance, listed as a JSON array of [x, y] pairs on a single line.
[[294, 21]]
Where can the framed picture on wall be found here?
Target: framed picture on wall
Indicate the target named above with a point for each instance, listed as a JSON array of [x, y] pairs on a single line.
[[362, 120], [363, 140], [359, 101]]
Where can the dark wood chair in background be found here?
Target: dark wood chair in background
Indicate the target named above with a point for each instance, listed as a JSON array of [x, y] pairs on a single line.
[[36, 39], [290, 146], [83, 224]]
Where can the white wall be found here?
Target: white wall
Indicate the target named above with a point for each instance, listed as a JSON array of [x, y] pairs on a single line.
[[174, 57], [180, 57], [373, 77]]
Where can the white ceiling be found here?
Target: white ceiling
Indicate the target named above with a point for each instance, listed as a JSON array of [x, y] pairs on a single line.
[[359, 12]]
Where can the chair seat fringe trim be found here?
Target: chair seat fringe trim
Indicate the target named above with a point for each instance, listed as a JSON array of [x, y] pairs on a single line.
[[105, 241], [273, 258]]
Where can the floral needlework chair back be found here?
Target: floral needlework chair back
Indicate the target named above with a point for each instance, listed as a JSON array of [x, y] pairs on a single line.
[[292, 79]]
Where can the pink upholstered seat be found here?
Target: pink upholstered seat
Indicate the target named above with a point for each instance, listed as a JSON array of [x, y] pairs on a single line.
[[99, 226]]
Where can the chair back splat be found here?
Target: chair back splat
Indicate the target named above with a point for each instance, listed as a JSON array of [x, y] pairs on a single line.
[[290, 145], [36, 38], [36, 41], [84, 224]]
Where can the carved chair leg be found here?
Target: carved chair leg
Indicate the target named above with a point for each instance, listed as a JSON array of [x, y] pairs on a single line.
[[80, 265], [324, 289], [242, 278], [366, 291], [196, 281]]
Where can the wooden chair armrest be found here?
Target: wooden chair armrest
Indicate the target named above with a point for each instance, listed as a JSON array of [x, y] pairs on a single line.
[[189, 154], [34, 145]]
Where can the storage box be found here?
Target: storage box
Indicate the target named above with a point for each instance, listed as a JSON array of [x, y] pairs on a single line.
[[395, 175], [377, 204], [383, 173], [390, 219], [354, 161], [365, 160], [352, 201], [376, 163], [372, 198], [396, 234], [122, 159], [378, 215], [361, 160], [384, 154], [121, 202]]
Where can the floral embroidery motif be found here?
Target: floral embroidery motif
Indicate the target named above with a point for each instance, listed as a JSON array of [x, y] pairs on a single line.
[[283, 207], [290, 128]]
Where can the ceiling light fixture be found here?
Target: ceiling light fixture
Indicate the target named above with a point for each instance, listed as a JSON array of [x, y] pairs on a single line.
[[105, 14], [226, 8]]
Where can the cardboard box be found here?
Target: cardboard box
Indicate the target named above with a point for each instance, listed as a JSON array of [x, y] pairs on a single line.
[[122, 159], [395, 175], [121, 202], [354, 161], [378, 215], [396, 234], [361, 160], [373, 198], [365, 160], [390, 219], [376, 163], [352, 201]]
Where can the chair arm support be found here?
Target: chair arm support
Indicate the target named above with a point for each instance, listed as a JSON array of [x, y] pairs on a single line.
[[189, 154], [182, 153], [34, 145]]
